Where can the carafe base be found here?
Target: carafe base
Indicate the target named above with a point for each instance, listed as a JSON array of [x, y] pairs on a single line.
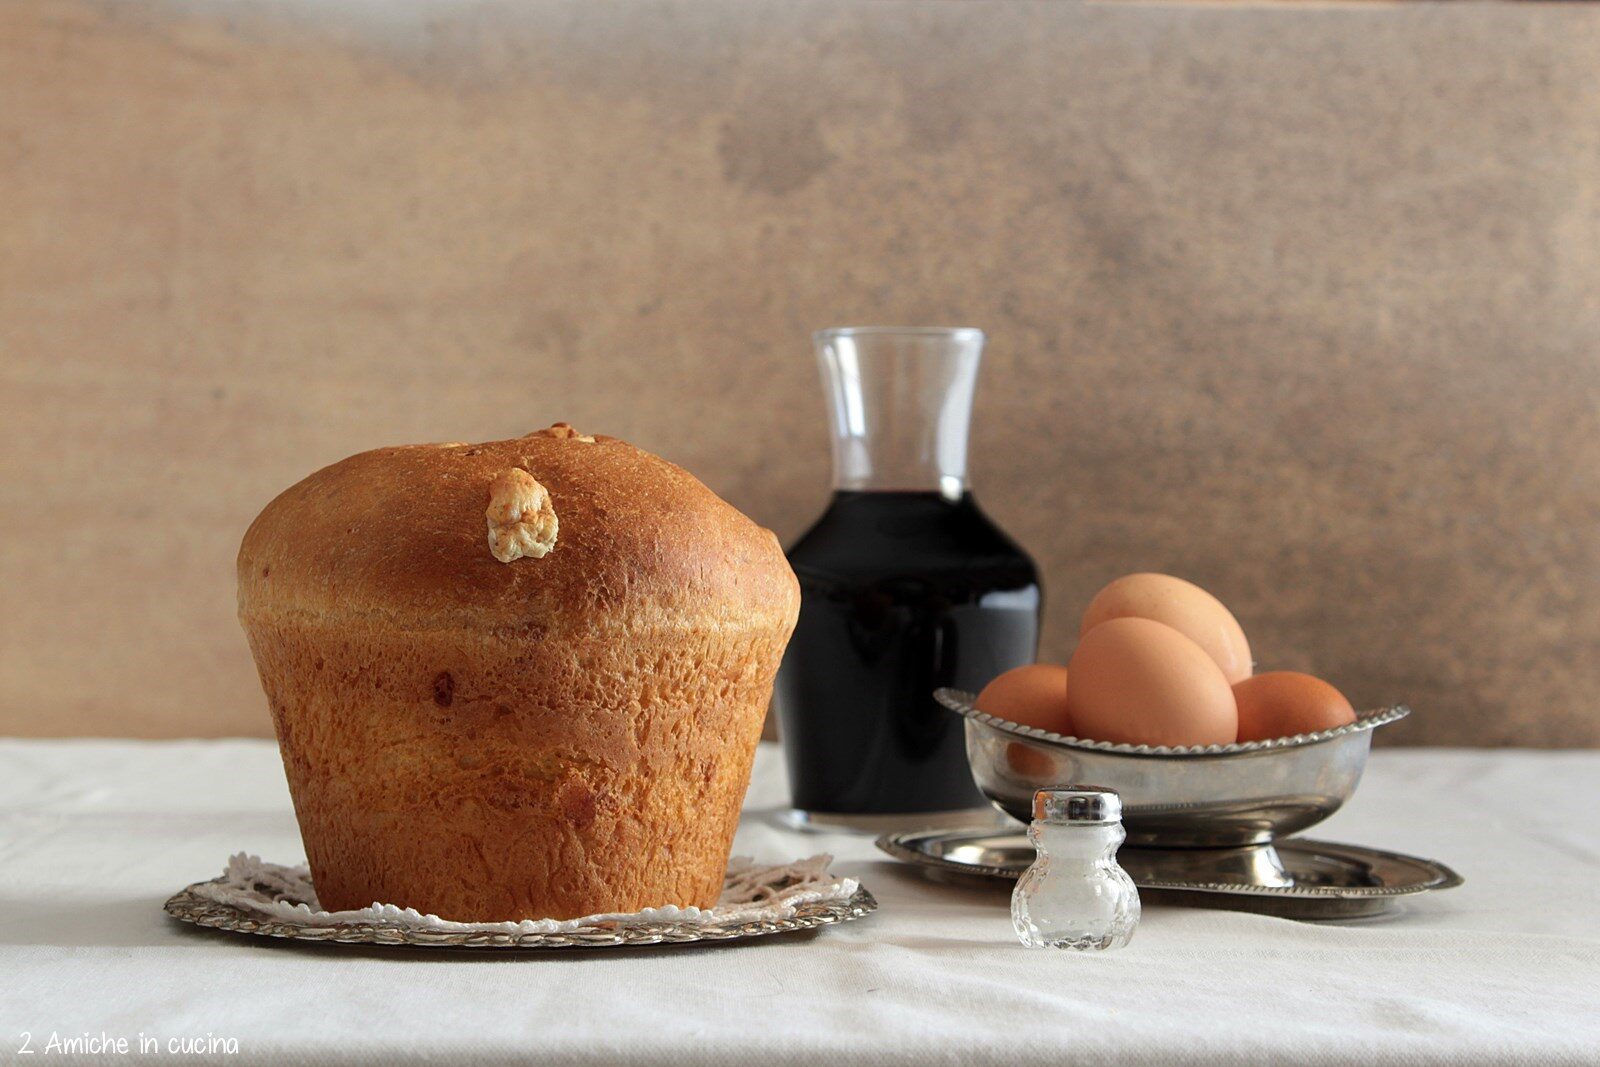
[[878, 823]]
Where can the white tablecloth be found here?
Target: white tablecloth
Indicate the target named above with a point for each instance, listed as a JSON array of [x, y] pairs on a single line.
[[94, 835]]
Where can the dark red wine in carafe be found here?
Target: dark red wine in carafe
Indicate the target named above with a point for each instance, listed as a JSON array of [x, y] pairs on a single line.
[[901, 593], [906, 586]]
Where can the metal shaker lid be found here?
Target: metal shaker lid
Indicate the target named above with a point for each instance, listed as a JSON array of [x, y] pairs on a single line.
[[1078, 803]]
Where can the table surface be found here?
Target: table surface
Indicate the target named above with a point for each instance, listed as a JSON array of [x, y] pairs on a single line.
[[94, 835]]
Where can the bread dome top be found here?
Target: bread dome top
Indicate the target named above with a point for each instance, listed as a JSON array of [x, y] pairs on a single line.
[[553, 531]]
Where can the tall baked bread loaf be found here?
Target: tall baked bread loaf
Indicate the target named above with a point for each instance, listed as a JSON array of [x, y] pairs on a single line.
[[521, 679]]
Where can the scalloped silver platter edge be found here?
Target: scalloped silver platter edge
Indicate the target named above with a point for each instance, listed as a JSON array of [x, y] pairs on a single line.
[[962, 703], [1304, 902], [187, 906]]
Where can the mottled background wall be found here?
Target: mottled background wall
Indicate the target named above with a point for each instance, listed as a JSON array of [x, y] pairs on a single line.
[[1300, 302]]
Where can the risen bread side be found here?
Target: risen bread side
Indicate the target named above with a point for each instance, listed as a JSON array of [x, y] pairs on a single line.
[[553, 736]]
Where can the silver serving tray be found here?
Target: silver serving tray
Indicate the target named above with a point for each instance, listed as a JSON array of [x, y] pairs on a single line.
[[189, 907], [1313, 880]]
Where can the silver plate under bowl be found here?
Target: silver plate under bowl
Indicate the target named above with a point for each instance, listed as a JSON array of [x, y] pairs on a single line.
[[1295, 878], [193, 908]]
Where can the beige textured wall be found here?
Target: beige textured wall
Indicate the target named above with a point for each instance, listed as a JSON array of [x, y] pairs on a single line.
[[1298, 302]]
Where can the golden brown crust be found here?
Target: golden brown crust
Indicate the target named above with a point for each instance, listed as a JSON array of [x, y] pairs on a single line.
[[548, 737], [400, 532]]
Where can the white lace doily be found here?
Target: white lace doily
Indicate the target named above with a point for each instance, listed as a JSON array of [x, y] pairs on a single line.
[[750, 892]]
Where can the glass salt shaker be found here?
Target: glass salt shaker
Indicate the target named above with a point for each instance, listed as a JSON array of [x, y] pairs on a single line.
[[1075, 896]]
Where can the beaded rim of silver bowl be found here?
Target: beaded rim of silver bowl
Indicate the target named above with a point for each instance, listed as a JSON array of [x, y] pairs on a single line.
[[962, 703]]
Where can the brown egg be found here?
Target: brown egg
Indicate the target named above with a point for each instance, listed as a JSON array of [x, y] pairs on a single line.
[[1035, 695], [1182, 605], [1141, 682], [1286, 703], [1030, 764]]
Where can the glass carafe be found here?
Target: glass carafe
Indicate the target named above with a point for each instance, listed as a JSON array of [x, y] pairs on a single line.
[[906, 585]]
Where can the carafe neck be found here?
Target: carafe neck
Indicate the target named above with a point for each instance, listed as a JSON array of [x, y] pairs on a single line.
[[900, 405]]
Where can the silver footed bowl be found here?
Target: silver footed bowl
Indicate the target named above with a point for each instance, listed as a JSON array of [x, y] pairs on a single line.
[[1216, 796]]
